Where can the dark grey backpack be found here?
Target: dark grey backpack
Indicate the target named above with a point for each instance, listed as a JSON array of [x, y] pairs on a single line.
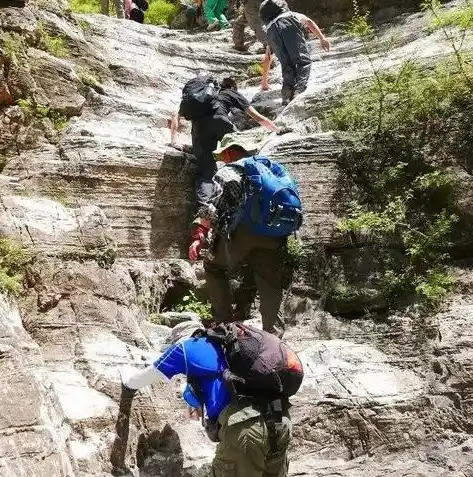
[[260, 365]]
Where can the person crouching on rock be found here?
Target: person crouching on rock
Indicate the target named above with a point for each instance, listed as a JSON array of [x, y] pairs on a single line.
[[254, 207], [208, 107], [250, 421], [285, 31]]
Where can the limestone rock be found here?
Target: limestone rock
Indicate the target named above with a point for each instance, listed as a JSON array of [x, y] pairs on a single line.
[[390, 397], [173, 318]]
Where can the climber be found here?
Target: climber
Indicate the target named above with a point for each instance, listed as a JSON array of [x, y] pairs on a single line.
[[213, 11], [285, 31], [135, 10], [249, 15], [119, 8], [250, 421], [210, 124], [253, 208]]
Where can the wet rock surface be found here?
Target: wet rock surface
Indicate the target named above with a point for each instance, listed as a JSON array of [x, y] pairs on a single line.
[[390, 397]]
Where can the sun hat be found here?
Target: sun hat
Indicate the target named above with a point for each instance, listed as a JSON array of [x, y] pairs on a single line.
[[230, 140]]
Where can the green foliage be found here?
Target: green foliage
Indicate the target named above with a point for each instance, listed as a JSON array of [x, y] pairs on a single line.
[[460, 16], [13, 262], [85, 6], [193, 304], [91, 80], [294, 254], [84, 24], [32, 109], [106, 256], [359, 26], [407, 127], [161, 12], [54, 44], [255, 70], [13, 47], [435, 286]]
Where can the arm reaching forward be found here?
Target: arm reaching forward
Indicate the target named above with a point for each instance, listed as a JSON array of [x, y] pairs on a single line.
[[314, 28], [262, 120]]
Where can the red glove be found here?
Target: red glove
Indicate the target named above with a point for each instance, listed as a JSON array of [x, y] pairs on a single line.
[[199, 234]]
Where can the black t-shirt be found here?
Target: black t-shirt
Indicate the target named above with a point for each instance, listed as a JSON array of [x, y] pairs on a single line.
[[228, 99]]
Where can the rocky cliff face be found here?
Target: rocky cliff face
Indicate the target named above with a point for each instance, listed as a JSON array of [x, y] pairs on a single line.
[[390, 397]]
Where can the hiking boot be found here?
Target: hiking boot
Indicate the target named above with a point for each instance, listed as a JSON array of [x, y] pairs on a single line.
[[240, 48], [214, 26]]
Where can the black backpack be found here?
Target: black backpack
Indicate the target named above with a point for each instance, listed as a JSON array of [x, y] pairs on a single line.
[[260, 365], [199, 98], [141, 4]]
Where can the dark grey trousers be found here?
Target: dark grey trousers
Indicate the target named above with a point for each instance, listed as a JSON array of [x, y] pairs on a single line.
[[206, 133], [286, 38]]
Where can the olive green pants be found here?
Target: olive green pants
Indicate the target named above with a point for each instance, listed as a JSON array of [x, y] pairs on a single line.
[[119, 7], [248, 16], [244, 449], [263, 256]]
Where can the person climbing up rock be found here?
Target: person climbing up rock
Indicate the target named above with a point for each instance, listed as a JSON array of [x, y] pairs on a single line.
[[119, 8], [214, 14], [239, 381], [249, 15], [285, 31], [253, 208], [135, 10], [208, 106]]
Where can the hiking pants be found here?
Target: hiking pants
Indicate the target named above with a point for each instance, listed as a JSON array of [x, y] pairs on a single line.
[[249, 16], [263, 256], [286, 39], [206, 133], [119, 7], [245, 450], [213, 11]]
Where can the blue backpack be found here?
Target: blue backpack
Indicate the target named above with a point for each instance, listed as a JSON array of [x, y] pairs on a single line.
[[272, 206]]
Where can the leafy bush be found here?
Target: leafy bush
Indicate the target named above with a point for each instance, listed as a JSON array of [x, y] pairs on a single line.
[[54, 44], [161, 12], [85, 6], [407, 127], [193, 304], [106, 256], [13, 47], [255, 70], [13, 262], [33, 109]]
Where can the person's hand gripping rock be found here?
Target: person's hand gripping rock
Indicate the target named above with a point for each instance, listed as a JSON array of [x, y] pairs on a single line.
[[199, 236]]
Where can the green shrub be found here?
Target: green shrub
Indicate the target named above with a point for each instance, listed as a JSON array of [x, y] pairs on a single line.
[[255, 70], [192, 304], [13, 47], [85, 6], [33, 109], [13, 262], [161, 12], [54, 44], [106, 256], [408, 126], [460, 16]]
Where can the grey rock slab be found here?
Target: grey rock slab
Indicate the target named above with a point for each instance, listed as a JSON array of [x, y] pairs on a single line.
[[50, 227], [173, 318], [341, 369]]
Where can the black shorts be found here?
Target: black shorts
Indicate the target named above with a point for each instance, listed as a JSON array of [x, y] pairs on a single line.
[[137, 15]]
